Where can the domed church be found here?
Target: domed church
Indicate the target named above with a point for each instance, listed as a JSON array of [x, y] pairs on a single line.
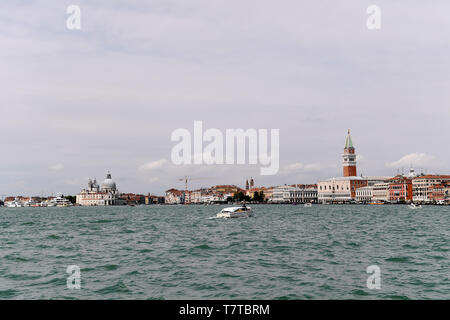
[[108, 184], [105, 195]]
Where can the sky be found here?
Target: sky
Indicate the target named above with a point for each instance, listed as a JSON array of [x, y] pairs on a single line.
[[76, 104]]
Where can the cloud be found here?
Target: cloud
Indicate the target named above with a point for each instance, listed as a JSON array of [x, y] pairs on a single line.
[[57, 167], [412, 159], [153, 165], [298, 166], [232, 64]]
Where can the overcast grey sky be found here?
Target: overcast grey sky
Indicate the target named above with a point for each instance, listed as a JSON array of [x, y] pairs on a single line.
[[76, 103]]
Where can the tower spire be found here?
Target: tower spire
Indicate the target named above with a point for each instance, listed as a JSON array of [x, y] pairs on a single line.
[[349, 157]]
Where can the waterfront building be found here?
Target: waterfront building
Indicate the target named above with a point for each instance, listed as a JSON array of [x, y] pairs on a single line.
[[294, 194], [339, 189], [439, 193], [105, 195], [174, 196], [421, 186], [306, 193], [364, 194], [400, 189], [226, 189], [152, 199], [196, 195], [281, 194], [131, 198], [380, 192], [268, 193]]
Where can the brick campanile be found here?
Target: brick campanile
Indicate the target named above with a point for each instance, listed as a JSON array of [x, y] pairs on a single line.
[[349, 158]]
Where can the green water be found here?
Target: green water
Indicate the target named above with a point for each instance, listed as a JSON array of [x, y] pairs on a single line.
[[179, 252]]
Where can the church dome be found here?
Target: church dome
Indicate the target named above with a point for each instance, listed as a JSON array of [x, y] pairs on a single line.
[[108, 183]]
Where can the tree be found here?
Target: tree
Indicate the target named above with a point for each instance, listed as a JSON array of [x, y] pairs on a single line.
[[258, 196], [72, 199], [240, 196]]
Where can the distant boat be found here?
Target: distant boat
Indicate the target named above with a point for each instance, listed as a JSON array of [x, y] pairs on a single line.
[[414, 206], [14, 204], [235, 212], [31, 203], [308, 205]]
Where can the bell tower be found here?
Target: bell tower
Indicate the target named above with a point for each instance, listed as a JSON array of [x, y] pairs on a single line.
[[349, 158]]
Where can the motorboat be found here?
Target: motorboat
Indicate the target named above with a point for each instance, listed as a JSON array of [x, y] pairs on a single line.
[[14, 204], [235, 212], [414, 206], [31, 203], [308, 205]]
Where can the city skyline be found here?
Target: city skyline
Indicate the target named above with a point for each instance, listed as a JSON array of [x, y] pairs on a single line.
[[78, 103], [349, 170]]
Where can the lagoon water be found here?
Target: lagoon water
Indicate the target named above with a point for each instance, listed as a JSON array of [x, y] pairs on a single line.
[[180, 252]]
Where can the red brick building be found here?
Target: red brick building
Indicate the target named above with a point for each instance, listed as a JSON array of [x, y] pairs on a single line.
[[400, 189]]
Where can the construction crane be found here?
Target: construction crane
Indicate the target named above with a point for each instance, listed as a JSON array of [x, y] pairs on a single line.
[[186, 179]]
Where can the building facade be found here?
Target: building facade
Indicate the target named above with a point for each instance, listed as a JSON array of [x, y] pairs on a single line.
[[380, 192], [294, 194], [105, 195], [340, 189], [421, 186], [400, 189], [364, 194]]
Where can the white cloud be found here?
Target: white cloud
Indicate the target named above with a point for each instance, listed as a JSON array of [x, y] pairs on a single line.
[[57, 167], [153, 165], [298, 166], [414, 159]]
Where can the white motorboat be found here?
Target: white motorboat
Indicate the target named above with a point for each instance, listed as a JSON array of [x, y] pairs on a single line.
[[308, 205], [31, 203], [414, 206], [235, 212], [14, 204]]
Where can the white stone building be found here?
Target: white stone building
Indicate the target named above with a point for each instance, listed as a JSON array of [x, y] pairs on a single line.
[[105, 195], [380, 192], [293, 194], [364, 194]]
